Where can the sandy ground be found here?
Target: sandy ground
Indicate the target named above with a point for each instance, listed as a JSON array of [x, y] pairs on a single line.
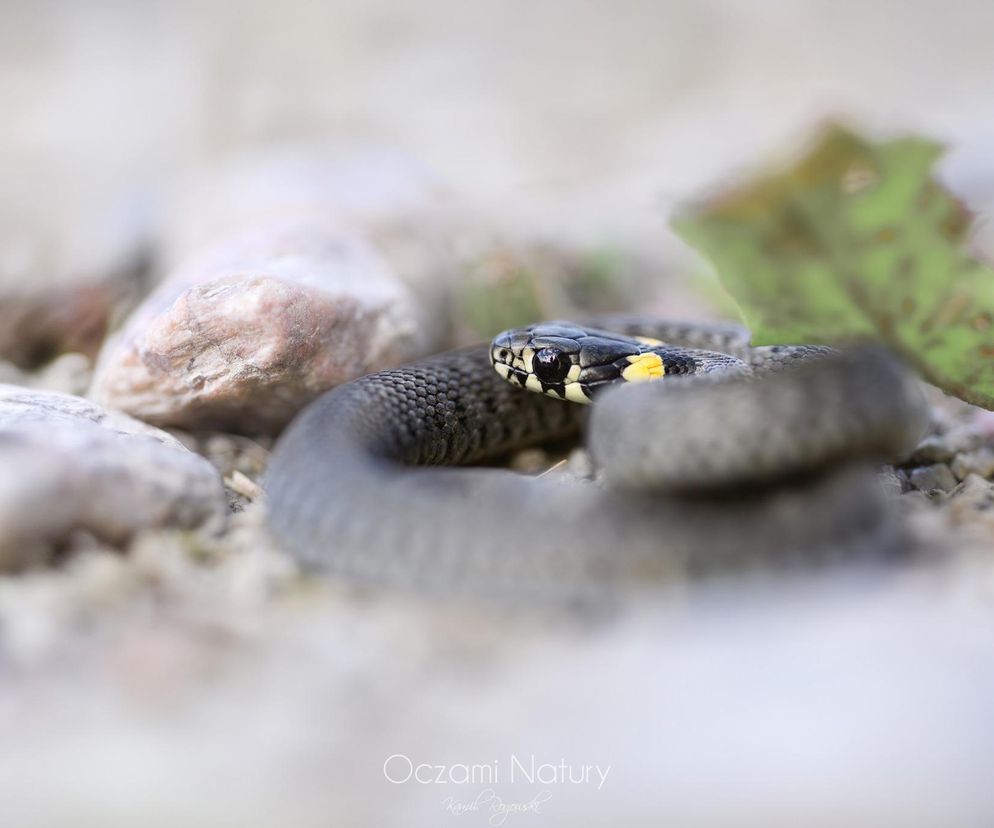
[[195, 682]]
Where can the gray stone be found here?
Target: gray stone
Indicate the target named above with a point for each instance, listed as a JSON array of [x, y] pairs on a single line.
[[69, 468], [974, 493], [969, 510], [893, 483], [935, 448], [254, 328], [979, 462], [937, 477], [944, 446]]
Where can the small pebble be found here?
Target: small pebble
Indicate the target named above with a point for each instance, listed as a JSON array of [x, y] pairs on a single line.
[[242, 485], [935, 448], [531, 461], [893, 483], [975, 489], [971, 503], [935, 478], [980, 462]]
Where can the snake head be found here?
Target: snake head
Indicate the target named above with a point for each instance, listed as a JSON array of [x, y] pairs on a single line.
[[571, 362]]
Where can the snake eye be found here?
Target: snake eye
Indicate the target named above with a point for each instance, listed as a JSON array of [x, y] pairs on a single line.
[[551, 365]]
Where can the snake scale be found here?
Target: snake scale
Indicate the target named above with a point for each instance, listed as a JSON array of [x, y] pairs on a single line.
[[737, 456]]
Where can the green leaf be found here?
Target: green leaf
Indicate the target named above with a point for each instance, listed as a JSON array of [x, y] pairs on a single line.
[[857, 241]]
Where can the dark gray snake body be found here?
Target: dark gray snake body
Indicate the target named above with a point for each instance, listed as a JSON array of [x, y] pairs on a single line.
[[694, 468]]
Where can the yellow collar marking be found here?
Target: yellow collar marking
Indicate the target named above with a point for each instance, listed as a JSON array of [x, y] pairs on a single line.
[[644, 367]]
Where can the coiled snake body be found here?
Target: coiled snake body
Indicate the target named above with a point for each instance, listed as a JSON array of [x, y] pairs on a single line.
[[730, 455]]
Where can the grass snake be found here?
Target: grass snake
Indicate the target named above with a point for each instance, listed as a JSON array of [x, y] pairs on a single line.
[[733, 456]]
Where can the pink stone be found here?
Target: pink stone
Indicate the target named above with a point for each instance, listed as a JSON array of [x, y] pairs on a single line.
[[249, 331]]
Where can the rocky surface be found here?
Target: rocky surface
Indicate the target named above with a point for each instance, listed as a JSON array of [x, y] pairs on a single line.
[[70, 471], [249, 331]]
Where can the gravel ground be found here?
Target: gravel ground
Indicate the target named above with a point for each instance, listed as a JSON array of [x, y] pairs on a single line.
[[196, 679]]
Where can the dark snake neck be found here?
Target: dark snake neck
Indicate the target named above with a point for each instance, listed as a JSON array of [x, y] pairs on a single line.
[[451, 409]]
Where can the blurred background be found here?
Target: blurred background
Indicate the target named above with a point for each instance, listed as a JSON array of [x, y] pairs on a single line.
[[166, 692], [587, 114]]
